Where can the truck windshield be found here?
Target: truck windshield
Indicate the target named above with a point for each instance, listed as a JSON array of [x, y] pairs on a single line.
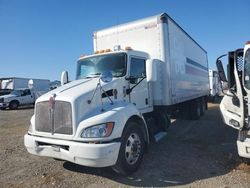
[[92, 66], [247, 69], [17, 92]]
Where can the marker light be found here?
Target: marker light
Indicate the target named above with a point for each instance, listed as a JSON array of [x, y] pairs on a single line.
[[97, 52], [128, 48], [234, 123], [108, 50], [117, 48], [102, 51], [248, 42]]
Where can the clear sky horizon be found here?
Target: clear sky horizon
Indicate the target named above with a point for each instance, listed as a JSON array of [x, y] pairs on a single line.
[[42, 38]]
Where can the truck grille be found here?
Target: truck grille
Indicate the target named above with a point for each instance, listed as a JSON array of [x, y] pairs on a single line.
[[56, 120]]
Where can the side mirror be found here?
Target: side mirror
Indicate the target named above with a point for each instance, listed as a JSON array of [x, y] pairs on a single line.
[[64, 78], [221, 72], [106, 77], [151, 70]]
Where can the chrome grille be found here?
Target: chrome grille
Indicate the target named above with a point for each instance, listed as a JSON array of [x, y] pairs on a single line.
[[56, 120]]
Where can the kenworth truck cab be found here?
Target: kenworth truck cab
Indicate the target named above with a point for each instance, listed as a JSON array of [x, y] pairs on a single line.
[[235, 103], [140, 73]]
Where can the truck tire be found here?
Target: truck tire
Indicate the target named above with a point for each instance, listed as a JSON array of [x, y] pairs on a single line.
[[195, 112], [13, 105], [203, 106], [131, 150]]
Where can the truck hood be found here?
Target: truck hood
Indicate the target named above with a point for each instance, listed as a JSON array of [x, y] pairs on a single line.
[[8, 96], [85, 104], [71, 91], [79, 89]]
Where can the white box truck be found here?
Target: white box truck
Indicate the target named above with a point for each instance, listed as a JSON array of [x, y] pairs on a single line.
[[16, 83], [235, 106], [141, 72]]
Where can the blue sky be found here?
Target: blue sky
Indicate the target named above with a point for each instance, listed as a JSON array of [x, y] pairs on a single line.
[[41, 38]]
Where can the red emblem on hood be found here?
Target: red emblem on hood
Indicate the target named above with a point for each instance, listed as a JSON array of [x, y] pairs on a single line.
[[52, 101]]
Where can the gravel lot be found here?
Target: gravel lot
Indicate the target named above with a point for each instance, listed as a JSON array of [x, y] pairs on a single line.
[[194, 154]]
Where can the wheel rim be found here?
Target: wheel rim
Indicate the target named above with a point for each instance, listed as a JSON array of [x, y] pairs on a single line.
[[133, 148], [13, 105]]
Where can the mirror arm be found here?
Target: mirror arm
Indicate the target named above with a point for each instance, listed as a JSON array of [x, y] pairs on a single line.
[[128, 91], [221, 56]]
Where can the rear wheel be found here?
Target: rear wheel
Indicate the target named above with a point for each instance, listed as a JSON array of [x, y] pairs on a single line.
[[131, 150], [13, 105], [203, 106], [195, 112]]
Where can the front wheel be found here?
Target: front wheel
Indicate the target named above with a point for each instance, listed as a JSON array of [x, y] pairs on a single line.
[[13, 105], [131, 150]]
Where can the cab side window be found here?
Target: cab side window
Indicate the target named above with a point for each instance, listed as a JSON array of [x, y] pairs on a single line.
[[25, 92], [137, 68]]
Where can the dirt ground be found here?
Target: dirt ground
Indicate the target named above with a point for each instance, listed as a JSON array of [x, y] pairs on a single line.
[[199, 153]]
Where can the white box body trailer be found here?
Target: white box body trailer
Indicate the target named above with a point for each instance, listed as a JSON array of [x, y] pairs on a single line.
[[16, 83], [141, 73], [183, 74]]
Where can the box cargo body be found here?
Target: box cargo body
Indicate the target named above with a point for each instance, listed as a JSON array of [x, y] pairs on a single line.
[[183, 74], [15, 83]]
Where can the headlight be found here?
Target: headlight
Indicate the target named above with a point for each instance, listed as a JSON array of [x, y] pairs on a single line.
[[98, 131], [1, 99]]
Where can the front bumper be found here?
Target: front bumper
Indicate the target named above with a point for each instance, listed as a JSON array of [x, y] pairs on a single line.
[[244, 148], [4, 105], [87, 154]]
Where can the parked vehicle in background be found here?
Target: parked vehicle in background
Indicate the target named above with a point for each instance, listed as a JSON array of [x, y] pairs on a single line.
[[24, 96], [214, 86], [11, 83], [235, 103], [16, 83], [140, 74]]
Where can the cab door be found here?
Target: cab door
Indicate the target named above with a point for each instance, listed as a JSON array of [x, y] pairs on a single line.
[[246, 76], [140, 93], [27, 97], [232, 105]]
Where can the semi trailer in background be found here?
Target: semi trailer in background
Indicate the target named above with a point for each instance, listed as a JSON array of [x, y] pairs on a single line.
[[235, 106], [140, 74]]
